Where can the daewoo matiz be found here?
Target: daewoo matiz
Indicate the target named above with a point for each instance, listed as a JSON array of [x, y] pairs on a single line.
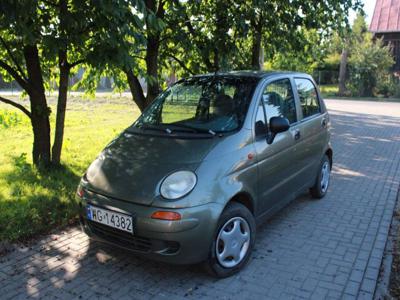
[[210, 158]]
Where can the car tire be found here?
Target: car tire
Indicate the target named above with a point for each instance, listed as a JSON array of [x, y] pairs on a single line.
[[321, 184], [237, 241]]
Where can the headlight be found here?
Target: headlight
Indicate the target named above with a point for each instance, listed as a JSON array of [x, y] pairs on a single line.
[[178, 184]]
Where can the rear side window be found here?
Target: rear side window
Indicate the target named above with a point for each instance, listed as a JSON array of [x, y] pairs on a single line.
[[279, 101], [308, 97]]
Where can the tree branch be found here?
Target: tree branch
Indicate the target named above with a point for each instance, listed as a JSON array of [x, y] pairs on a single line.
[[165, 37], [21, 81], [51, 3], [13, 58], [138, 57], [194, 35], [181, 63], [17, 105], [74, 64], [160, 10], [136, 89]]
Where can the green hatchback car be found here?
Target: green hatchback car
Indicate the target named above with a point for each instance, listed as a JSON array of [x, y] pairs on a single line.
[[212, 156]]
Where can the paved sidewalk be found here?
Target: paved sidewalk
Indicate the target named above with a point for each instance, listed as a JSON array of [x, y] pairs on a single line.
[[330, 248]]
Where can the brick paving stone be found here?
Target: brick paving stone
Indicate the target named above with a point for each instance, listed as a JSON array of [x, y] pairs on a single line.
[[313, 249]]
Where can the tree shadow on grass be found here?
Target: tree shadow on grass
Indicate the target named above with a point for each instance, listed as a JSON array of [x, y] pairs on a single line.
[[38, 200]]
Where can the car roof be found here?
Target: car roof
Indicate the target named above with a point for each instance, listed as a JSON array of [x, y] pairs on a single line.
[[254, 74]]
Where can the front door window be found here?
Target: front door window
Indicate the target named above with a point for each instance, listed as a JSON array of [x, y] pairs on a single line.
[[279, 100]]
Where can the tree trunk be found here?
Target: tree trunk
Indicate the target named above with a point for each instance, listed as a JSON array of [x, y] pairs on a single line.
[[256, 49], [39, 109], [61, 107], [41, 135], [153, 87], [136, 90], [217, 65], [342, 72], [152, 51], [151, 58]]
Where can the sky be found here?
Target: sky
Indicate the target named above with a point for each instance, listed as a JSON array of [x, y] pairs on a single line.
[[369, 6]]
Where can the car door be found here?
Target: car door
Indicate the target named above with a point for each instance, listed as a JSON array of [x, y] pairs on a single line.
[[312, 129], [275, 161]]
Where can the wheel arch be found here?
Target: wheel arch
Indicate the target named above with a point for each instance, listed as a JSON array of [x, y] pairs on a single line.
[[245, 199], [329, 153]]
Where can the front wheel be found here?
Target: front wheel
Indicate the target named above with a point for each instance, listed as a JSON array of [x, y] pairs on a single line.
[[322, 182], [233, 241]]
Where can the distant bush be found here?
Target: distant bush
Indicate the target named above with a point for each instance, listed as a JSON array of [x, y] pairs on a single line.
[[369, 67], [396, 89], [388, 87]]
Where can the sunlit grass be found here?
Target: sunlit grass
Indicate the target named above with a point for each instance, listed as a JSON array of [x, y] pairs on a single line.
[[329, 90], [33, 202]]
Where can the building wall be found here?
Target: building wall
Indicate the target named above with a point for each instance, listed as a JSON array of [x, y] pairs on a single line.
[[393, 40]]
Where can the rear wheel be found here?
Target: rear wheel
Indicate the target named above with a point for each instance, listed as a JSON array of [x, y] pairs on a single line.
[[321, 185], [233, 241]]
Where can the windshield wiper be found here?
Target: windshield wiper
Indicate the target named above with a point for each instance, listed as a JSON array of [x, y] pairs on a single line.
[[195, 129], [166, 128], [154, 127]]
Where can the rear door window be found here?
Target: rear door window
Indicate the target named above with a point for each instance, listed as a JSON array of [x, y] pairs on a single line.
[[308, 97]]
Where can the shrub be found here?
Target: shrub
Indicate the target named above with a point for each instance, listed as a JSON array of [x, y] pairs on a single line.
[[369, 66], [396, 90]]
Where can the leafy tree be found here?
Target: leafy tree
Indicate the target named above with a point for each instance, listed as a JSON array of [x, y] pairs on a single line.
[[190, 37], [281, 25], [154, 27], [209, 35], [170, 28], [21, 24], [366, 60], [350, 39], [135, 56], [39, 38], [302, 59], [130, 39], [237, 34]]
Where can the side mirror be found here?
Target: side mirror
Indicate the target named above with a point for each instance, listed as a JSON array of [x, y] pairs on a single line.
[[277, 125]]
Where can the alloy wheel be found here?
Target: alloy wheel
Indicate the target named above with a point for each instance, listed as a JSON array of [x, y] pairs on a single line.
[[233, 242], [325, 176]]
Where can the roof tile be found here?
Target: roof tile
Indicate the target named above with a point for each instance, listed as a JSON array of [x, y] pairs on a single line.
[[386, 16]]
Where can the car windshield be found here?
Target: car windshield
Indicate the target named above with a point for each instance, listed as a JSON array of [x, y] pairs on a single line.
[[208, 104]]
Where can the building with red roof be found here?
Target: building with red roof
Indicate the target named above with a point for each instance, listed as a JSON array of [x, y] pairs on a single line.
[[385, 24]]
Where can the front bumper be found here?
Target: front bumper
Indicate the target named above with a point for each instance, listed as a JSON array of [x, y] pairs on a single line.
[[186, 241]]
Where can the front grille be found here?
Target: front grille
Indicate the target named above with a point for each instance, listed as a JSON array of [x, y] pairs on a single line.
[[124, 239]]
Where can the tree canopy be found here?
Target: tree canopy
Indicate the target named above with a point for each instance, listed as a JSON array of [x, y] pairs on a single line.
[[130, 40], [43, 40], [364, 61]]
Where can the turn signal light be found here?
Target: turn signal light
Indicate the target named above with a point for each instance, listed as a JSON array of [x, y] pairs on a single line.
[[166, 215], [80, 192]]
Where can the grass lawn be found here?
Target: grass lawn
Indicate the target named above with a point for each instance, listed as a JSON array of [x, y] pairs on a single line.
[[32, 203], [330, 91]]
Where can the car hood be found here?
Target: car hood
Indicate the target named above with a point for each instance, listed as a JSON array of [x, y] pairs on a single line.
[[132, 166]]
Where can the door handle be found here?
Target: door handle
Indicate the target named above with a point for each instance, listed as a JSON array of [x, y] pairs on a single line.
[[324, 122], [297, 134]]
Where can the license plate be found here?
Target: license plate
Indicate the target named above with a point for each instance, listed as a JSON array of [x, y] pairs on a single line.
[[110, 218]]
